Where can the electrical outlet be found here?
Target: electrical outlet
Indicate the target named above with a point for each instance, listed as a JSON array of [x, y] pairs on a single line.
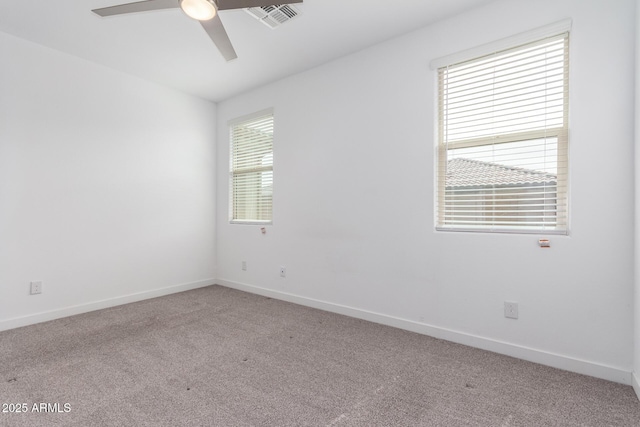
[[283, 272], [244, 265], [36, 288], [511, 310]]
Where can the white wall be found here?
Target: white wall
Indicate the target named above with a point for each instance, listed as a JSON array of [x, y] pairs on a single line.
[[353, 198], [636, 331], [107, 186]]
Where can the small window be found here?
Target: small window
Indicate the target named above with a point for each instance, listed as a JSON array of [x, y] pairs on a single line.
[[251, 171], [502, 148]]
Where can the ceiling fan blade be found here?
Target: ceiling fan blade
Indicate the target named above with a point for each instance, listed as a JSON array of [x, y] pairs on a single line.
[[243, 4], [141, 6], [218, 34]]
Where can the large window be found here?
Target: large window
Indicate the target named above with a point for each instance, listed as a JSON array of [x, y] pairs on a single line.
[[502, 147], [251, 171]]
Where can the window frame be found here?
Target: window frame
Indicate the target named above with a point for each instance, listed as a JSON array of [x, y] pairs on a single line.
[[560, 132], [233, 173]]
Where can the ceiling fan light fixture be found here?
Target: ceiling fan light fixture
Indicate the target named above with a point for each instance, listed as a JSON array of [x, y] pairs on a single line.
[[200, 10]]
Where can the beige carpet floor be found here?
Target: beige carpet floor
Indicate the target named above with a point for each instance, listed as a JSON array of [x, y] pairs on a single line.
[[220, 357]]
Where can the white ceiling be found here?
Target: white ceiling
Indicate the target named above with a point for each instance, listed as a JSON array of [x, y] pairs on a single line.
[[171, 49]]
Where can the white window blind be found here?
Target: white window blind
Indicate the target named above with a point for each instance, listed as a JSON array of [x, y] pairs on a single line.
[[252, 169], [503, 144]]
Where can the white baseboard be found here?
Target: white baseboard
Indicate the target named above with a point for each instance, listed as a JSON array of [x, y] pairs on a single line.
[[98, 305], [635, 382], [530, 354]]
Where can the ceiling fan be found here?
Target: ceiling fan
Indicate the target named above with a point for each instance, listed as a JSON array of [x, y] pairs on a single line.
[[205, 11]]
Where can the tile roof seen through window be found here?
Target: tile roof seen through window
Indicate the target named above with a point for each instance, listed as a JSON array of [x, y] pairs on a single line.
[[463, 172]]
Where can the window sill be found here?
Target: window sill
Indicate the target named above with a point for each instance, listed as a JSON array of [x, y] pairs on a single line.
[[505, 231], [241, 222]]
